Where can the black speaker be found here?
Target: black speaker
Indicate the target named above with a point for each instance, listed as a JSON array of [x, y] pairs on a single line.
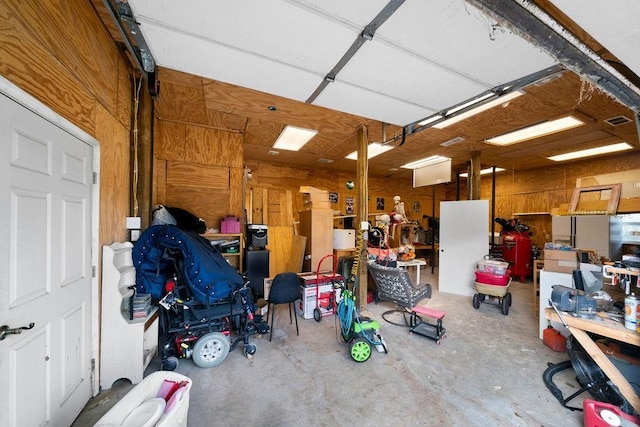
[[257, 269]]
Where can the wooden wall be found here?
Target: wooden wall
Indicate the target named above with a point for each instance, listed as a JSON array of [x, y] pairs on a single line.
[[59, 52], [531, 195]]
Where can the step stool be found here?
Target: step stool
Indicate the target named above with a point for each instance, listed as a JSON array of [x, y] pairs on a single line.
[[435, 331]]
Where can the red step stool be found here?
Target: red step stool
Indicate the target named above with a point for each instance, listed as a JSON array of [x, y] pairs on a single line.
[[435, 331]]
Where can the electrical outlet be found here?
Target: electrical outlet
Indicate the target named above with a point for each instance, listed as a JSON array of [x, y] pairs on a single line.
[[133, 223]]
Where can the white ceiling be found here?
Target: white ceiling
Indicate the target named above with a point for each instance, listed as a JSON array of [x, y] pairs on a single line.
[[614, 23], [428, 56]]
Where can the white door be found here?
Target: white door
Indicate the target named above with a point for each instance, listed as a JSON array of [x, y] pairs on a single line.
[[45, 269], [464, 240]]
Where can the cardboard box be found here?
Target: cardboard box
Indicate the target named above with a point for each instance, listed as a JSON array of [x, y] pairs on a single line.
[[344, 239], [307, 302], [560, 261]]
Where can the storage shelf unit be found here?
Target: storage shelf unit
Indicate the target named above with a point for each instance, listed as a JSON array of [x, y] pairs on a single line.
[[235, 259], [127, 345]]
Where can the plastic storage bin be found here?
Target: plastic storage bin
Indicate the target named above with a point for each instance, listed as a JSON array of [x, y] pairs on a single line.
[[493, 266], [493, 279]]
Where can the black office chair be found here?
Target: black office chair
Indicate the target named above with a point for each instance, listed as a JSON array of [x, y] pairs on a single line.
[[285, 289]]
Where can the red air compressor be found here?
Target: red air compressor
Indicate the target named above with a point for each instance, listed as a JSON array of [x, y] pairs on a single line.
[[516, 250]]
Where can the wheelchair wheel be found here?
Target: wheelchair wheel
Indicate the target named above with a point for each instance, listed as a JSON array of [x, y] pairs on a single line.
[[210, 350], [249, 350], [360, 350]]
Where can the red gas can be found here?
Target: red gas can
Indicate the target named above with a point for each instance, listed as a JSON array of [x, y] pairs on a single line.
[[516, 250], [553, 339]]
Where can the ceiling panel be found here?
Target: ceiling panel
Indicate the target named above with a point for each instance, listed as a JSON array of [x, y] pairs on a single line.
[[243, 56], [456, 36], [429, 56], [614, 23]]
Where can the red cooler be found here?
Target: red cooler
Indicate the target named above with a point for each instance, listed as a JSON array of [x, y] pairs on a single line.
[[516, 250]]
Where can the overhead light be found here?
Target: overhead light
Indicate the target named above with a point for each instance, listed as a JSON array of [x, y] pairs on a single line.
[[592, 152], [425, 162], [373, 149], [483, 171], [293, 138], [479, 109], [536, 131]]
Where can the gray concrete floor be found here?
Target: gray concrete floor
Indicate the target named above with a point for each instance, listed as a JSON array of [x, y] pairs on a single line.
[[488, 371]]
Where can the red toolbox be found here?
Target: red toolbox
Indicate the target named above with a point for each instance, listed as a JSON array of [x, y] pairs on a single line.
[[493, 279]]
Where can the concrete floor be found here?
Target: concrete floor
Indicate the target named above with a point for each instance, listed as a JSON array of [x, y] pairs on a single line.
[[488, 371]]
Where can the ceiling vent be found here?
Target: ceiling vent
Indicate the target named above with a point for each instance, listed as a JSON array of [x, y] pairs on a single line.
[[452, 141], [618, 120], [322, 160], [273, 152]]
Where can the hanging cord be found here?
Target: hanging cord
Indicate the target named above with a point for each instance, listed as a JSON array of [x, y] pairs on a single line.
[[136, 169]]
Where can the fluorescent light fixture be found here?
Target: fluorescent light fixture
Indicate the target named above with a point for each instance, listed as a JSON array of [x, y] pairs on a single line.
[[425, 162], [293, 138], [373, 149], [484, 171], [591, 152], [536, 131], [480, 108]]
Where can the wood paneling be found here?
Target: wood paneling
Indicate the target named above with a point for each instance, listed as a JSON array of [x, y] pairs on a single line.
[[191, 175], [60, 52], [114, 176], [33, 67]]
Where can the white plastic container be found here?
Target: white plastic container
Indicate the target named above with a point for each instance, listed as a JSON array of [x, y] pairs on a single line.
[[494, 267], [174, 415], [344, 239]]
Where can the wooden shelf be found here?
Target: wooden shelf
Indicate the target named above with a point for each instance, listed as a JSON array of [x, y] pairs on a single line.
[[235, 259], [531, 213]]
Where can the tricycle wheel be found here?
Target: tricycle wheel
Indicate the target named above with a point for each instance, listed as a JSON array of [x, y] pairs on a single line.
[[476, 301], [316, 314], [360, 350]]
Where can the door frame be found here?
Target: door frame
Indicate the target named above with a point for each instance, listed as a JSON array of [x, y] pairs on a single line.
[[28, 101]]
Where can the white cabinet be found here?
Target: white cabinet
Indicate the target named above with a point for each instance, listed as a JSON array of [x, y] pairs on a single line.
[[547, 280], [126, 345]]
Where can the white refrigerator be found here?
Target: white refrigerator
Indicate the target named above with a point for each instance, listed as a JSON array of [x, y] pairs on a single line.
[[602, 233]]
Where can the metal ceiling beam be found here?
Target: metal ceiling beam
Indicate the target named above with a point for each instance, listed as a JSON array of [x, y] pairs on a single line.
[[366, 35], [496, 93], [129, 29], [527, 20]]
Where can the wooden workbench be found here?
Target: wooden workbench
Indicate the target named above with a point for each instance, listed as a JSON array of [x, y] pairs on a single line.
[[607, 328]]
